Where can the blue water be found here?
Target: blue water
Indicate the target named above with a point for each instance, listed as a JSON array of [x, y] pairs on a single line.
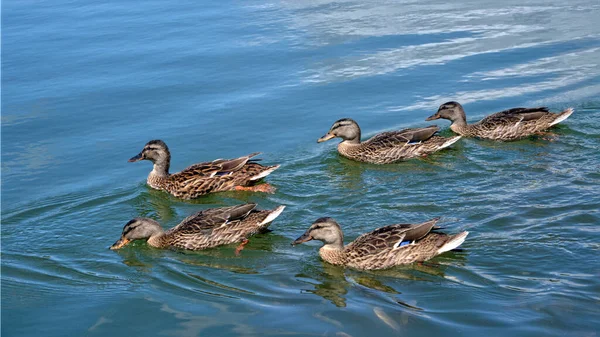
[[86, 84]]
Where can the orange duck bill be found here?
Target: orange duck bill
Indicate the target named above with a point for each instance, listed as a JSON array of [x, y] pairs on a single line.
[[120, 243], [325, 138]]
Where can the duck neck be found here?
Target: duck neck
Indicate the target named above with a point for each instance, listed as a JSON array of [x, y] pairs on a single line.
[[158, 240], [356, 139], [459, 118], [459, 126], [460, 122], [161, 167], [353, 141], [333, 253]]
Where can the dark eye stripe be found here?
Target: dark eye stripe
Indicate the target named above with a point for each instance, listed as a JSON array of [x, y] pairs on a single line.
[[129, 228], [339, 125]]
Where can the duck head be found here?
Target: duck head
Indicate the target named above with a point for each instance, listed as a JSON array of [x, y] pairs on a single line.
[[345, 128], [326, 230], [155, 151], [137, 229], [452, 111]]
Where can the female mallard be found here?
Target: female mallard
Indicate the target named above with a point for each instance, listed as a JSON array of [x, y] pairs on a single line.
[[199, 179], [382, 248], [509, 124], [386, 147], [208, 228]]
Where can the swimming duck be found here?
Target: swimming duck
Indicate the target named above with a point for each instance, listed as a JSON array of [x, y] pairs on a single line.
[[509, 124], [382, 248], [199, 179], [208, 228], [386, 147]]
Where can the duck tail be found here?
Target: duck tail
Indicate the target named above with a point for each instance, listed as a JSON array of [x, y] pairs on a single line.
[[265, 173], [449, 142], [454, 242], [562, 116], [272, 215]]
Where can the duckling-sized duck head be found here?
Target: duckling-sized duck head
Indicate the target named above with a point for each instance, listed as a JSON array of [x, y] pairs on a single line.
[[450, 110], [158, 153], [326, 230], [346, 129], [138, 229]]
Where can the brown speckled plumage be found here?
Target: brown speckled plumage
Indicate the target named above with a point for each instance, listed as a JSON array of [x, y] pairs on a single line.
[[203, 178], [386, 147], [382, 248], [205, 229], [506, 125]]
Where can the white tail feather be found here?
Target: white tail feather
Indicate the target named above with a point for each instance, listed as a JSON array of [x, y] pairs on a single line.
[[564, 115], [265, 173], [273, 215], [456, 241], [449, 142]]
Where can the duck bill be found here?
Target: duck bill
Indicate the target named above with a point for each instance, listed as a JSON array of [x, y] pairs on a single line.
[[325, 138], [139, 157], [120, 243], [434, 116], [303, 238]]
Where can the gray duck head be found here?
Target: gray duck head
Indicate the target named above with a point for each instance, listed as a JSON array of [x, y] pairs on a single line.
[[345, 128], [157, 152], [325, 229], [452, 111], [137, 229]]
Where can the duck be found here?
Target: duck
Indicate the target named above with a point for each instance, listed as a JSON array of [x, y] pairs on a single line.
[[219, 175], [511, 124], [386, 147], [382, 248], [205, 229]]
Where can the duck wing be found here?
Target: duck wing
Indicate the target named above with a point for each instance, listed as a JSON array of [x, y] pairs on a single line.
[[402, 137], [389, 237], [515, 115], [204, 222], [217, 167]]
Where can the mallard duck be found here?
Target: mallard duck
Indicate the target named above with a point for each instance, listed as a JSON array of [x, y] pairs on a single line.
[[509, 124], [208, 228], [382, 248], [203, 178], [386, 147]]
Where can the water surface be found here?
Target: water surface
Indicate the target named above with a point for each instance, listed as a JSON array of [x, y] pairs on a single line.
[[86, 84]]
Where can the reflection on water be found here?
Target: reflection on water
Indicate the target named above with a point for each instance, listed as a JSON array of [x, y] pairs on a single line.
[[331, 283], [155, 202], [334, 282]]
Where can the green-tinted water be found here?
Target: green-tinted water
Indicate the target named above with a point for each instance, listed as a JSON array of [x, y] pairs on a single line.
[[86, 85]]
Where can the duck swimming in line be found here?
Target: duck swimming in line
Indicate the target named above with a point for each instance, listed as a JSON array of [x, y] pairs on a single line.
[[505, 125], [206, 229], [382, 248], [219, 175], [386, 147]]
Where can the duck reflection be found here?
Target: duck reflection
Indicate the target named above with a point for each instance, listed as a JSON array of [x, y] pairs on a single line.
[[346, 173], [334, 282], [139, 258], [155, 202], [331, 283], [357, 177]]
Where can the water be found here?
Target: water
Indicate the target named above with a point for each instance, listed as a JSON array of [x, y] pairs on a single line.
[[86, 84]]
